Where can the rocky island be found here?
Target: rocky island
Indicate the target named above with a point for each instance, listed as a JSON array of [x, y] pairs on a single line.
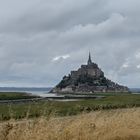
[[87, 79]]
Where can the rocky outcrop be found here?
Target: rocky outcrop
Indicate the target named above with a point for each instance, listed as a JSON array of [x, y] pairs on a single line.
[[87, 79]]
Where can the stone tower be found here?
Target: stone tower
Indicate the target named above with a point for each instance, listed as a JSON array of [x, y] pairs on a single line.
[[89, 60]]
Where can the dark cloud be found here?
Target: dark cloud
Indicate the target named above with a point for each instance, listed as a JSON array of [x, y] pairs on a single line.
[[42, 40]]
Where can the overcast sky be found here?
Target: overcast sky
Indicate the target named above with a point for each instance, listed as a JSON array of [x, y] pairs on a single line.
[[43, 40]]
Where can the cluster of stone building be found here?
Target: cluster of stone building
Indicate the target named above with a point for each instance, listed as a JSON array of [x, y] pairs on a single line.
[[92, 71]]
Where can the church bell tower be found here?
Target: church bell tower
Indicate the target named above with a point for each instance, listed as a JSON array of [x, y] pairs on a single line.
[[89, 60]]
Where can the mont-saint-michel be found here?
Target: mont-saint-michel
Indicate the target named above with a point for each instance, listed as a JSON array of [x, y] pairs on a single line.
[[88, 78], [95, 43]]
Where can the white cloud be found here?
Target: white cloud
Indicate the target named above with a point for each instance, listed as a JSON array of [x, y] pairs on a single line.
[[61, 57], [138, 66], [125, 66], [137, 55]]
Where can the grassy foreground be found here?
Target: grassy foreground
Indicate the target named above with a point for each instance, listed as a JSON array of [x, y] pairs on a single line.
[[119, 124], [45, 108]]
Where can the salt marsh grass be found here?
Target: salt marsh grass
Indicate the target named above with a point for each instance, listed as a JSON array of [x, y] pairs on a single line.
[[119, 124]]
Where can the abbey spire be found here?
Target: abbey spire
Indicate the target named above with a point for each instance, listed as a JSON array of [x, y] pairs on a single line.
[[89, 60]]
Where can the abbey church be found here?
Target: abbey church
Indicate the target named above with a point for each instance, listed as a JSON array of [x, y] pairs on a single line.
[[88, 78], [91, 69]]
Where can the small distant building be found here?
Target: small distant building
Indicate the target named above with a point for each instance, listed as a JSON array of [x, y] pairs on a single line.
[[88, 78]]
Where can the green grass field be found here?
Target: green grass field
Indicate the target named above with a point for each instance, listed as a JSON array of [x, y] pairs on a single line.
[[55, 108], [15, 96]]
